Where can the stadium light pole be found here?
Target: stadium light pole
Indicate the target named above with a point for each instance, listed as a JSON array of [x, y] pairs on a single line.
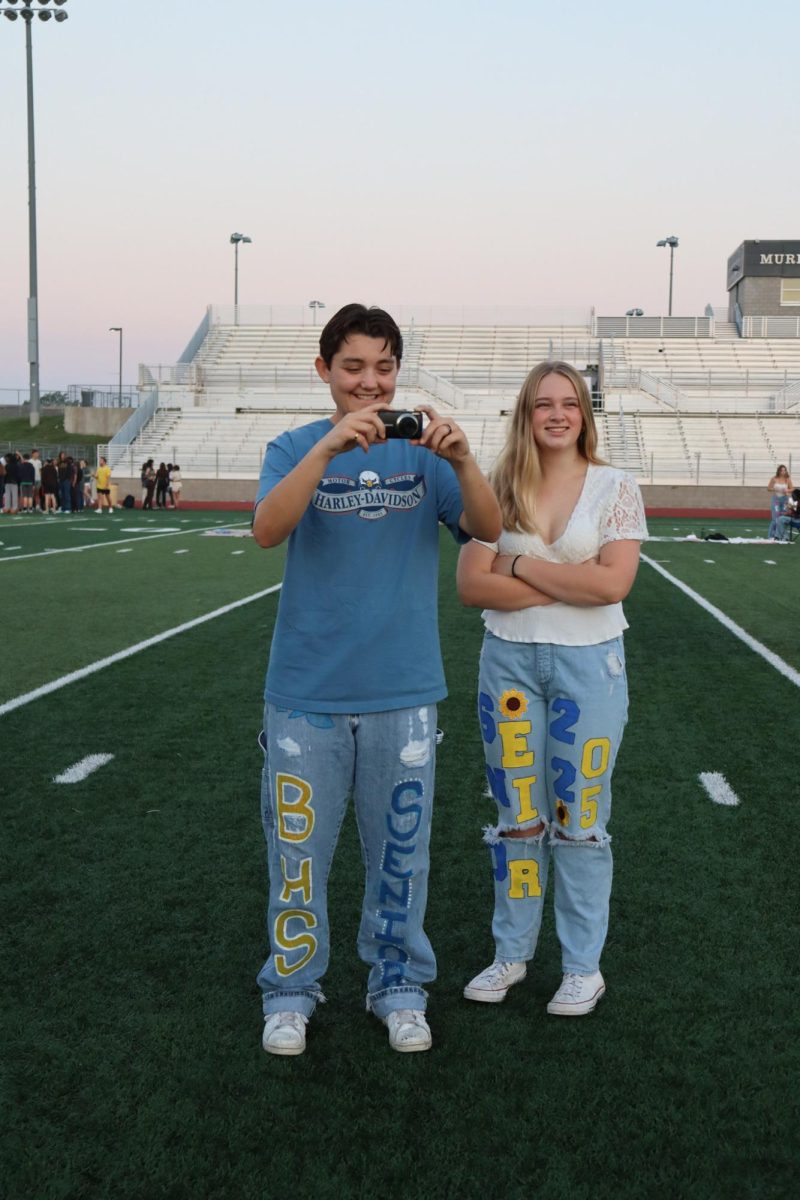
[[236, 238], [672, 242], [118, 329], [314, 305], [8, 8]]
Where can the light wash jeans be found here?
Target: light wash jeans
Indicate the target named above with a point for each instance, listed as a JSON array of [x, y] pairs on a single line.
[[552, 719], [313, 762], [777, 508]]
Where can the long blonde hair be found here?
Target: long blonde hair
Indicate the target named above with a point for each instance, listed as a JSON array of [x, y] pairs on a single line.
[[517, 473]]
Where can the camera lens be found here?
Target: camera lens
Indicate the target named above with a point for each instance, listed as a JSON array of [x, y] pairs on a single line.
[[408, 425]]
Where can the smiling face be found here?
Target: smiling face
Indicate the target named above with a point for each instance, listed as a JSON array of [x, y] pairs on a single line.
[[363, 371], [557, 417]]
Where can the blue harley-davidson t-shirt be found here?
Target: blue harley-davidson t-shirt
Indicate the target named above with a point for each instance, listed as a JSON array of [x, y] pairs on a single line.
[[357, 626]]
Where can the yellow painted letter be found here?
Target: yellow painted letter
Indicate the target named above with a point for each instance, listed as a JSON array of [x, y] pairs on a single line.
[[526, 810], [297, 806], [524, 878], [301, 941], [515, 747], [300, 883]]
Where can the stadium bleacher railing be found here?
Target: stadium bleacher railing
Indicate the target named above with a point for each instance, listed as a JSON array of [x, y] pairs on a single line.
[[653, 327], [126, 434]]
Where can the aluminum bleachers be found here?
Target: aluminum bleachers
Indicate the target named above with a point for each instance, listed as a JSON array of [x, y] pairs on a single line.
[[710, 374], [677, 409]]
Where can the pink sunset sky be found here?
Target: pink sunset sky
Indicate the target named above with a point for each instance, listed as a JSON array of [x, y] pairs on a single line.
[[425, 152]]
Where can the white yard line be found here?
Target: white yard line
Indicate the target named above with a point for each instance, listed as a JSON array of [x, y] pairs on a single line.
[[768, 655], [718, 788], [143, 537], [101, 663], [83, 769]]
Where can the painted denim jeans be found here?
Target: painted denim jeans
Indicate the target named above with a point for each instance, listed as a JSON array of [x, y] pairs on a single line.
[[313, 763], [552, 719]]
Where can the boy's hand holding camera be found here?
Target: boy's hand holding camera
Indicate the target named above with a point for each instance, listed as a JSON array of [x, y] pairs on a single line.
[[376, 423]]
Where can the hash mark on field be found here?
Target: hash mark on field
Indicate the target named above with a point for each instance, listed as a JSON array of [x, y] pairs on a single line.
[[127, 550], [237, 552], [770, 562], [181, 552], [709, 560], [9, 548], [718, 788], [83, 769]]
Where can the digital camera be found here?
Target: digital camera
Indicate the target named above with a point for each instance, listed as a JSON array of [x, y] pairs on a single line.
[[402, 424]]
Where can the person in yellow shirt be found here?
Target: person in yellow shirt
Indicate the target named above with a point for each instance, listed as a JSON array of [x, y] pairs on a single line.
[[102, 477]]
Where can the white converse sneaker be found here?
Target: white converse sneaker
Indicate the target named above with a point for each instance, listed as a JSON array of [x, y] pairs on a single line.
[[491, 985], [284, 1033], [578, 995], [408, 1030]]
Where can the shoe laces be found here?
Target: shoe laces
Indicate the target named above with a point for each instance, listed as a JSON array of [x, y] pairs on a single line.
[[294, 1020], [571, 986], [410, 1016], [497, 972]]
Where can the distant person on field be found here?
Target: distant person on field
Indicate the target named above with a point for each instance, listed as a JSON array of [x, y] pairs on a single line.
[[49, 485], [148, 484], [779, 486], [27, 482], [87, 484], [12, 482], [102, 479], [552, 689], [355, 674], [790, 518], [175, 485], [36, 459], [2, 481], [162, 485], [66, 479]]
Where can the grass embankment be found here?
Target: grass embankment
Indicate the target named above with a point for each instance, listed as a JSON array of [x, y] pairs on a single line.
[[17, 433]]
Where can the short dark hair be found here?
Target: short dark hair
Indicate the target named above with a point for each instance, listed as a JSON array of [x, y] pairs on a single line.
[[357, 318]]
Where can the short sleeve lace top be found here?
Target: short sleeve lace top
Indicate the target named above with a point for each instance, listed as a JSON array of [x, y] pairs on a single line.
[[609, 509]]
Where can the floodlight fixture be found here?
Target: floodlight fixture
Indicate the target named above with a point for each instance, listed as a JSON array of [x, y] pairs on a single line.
[[236, 238], [31, 8], [634, 312], [314, 305], [672, 242]]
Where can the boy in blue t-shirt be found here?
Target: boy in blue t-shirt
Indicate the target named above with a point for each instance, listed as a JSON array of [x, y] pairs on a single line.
[[355, 673]]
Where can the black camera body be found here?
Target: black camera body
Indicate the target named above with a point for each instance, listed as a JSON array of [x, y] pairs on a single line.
[[402, 424]]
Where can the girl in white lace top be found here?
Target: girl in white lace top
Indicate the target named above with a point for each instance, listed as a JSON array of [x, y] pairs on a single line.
[[552, 687]]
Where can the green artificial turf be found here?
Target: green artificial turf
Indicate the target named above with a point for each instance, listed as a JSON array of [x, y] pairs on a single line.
[[134, 926]]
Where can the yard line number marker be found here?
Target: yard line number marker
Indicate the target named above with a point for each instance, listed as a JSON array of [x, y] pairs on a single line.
[[718, 788], [65, 680], [768, 655], [83, 769]]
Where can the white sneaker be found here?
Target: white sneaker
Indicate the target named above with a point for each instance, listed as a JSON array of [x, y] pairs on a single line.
[[578, 995], [111, 509], [492, 984], [408, 1030], [284, 1033]]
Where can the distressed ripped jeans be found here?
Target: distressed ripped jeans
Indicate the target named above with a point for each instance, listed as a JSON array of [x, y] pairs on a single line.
[[552, 719], [313, 762]]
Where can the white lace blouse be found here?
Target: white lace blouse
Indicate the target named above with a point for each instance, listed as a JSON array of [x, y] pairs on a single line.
[[609, 509]]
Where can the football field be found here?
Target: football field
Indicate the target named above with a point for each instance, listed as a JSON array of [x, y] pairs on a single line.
[[133, 892]]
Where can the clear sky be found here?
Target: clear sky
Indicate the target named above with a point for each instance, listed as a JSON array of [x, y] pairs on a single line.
[[392, 151]]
